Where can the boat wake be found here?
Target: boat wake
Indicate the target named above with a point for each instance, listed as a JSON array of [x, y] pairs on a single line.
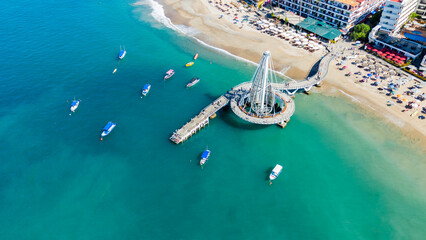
[[159, 15]]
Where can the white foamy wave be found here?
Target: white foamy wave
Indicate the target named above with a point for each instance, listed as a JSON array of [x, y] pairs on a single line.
[[352, 97], [189, 31], [159, 15]]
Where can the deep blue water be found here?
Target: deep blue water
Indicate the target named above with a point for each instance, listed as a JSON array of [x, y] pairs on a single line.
[[346, 175]]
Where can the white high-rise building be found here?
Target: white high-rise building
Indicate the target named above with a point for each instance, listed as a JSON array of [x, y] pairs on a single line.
[[395, 14], [421, 9], [343, 14]]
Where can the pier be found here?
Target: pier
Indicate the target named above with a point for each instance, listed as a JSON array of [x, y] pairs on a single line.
[[260, 101], [199, 121]]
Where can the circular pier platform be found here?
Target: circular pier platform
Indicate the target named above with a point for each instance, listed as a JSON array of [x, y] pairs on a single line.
[[242, 90]]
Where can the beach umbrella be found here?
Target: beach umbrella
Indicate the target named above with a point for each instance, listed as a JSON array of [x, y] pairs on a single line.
[[399, 95], [404, 99], [375, 50]]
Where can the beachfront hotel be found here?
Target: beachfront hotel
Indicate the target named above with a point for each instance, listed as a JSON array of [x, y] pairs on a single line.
[[393, 33], [395, 14], [421, 9], [343, 14]]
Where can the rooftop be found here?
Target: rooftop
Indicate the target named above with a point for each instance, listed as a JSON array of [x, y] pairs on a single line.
[[401, 43], [353, 3], [320, 28]]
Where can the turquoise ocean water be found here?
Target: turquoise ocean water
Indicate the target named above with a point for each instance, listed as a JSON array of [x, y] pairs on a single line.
[[346, 175]]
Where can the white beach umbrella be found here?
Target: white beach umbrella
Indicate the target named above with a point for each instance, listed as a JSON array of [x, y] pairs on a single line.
[[310, 45], [305, 40]]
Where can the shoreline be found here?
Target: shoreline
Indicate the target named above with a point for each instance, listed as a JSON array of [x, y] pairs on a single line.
[[222, 33]]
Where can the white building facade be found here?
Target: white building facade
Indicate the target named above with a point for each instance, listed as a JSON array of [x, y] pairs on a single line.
[[421, 9], [395, 15], [343, 14]]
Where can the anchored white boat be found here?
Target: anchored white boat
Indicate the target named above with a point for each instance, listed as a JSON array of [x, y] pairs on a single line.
[[146, 89], [169, 74], [107, 129], [275, 172], [74, 105], [193, 82], [204, 157]]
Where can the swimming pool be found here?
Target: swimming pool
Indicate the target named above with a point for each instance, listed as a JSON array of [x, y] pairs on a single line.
[[415, 37]]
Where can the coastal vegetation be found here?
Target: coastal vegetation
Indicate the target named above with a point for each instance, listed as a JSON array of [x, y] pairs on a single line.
[[360, 32]]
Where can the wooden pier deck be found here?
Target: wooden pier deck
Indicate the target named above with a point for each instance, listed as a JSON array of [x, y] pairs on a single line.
[[199, 121]]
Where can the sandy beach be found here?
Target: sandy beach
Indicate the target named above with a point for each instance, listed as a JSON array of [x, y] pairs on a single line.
[[243, 40]]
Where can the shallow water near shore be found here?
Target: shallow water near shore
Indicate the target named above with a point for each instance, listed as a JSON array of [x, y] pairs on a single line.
[[346, 175]]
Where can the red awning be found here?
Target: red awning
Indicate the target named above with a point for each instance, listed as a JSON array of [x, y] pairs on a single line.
[[375, 50], [389, 57]]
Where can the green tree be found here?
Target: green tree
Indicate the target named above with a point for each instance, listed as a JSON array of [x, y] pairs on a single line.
[[286, 20], [412, 16], [360, 32]]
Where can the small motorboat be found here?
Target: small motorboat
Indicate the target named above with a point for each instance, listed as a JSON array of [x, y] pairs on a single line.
[[115, 70], [275, 172], [122, 53], [193, 82], [204, 157], [196, 56], [146, 89], [74, 105], [169, 74], [107, 129], [189, 64]]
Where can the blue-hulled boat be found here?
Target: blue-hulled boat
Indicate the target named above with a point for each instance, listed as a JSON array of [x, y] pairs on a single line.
[[204, 157], [107, 129], [122, 53], [146, 89]]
